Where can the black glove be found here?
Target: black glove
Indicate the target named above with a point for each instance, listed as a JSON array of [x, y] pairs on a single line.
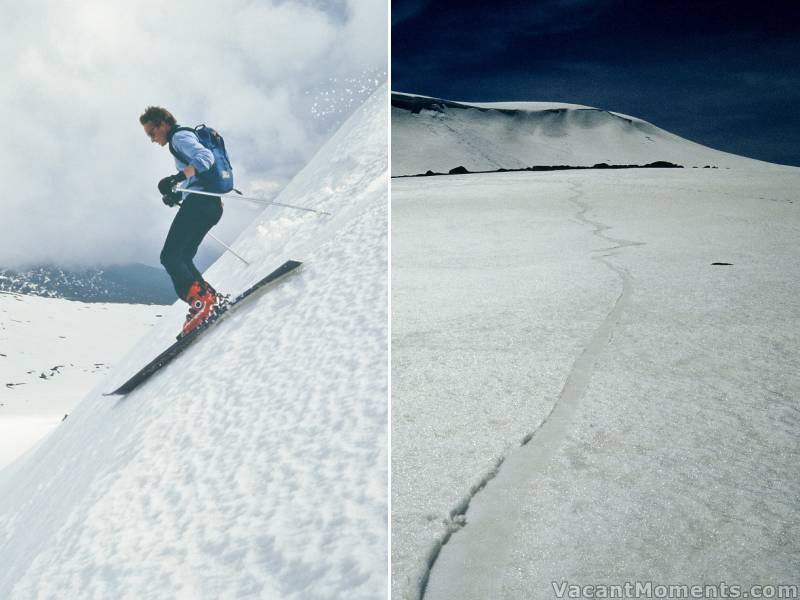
[[172, 198], [166, 185]]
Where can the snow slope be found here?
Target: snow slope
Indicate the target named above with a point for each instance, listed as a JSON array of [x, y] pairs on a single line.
[[439, 135], [52, 352], [254, 466], [579, 395]]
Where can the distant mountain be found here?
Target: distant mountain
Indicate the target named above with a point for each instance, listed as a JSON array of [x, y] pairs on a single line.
[[133, 284], [440, 135]]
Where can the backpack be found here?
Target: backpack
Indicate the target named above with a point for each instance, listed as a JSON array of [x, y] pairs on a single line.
[[219, 178]]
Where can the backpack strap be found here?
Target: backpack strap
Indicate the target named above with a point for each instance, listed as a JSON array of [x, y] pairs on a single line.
[[172, 149]]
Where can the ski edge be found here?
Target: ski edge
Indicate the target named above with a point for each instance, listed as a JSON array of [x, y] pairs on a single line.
[[287, 268]]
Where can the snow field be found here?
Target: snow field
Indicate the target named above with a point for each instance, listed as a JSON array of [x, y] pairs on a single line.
[[668, 453], [52, 352], [254, 466]]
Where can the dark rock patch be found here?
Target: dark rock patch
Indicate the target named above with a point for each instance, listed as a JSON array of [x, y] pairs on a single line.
[[461, 170]]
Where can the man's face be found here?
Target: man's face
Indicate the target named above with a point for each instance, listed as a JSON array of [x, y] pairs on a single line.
[[157, 133]]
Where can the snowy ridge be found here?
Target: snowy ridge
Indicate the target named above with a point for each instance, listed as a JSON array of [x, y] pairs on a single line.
[[255, 464], [440, 135]]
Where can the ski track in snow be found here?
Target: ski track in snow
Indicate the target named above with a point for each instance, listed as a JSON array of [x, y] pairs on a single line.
[[537, 447], [464, 369]]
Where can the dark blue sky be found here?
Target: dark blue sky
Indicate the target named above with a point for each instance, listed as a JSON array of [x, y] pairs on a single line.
[[725, 74]]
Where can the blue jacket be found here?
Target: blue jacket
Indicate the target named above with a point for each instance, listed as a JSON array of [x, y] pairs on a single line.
[[201, 158]]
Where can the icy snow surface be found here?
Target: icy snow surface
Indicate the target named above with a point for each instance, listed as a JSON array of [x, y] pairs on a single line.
[[254, 466], [52, 353], [491, 136], [579, 395]]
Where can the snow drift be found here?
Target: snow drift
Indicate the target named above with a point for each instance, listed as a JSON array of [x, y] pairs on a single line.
[[253, 466], [440, 135]]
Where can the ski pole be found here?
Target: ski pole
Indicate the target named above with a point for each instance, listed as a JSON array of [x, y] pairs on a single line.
[[223, 244], [228, 248], [261, 200]]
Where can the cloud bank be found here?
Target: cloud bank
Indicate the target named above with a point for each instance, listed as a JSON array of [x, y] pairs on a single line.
[[275, 78]]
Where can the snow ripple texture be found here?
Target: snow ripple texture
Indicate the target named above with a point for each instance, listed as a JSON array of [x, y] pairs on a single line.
[[254, 466]]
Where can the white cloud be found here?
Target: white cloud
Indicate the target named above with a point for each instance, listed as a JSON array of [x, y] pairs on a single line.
[[79, 172]]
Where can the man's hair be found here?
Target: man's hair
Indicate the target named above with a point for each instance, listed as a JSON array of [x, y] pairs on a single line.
[[157, 115]]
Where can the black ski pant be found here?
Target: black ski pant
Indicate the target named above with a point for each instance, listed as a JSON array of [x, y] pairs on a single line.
[[196, 216]]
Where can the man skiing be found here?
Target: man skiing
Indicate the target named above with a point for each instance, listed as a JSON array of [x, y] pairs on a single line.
[[197, 213]]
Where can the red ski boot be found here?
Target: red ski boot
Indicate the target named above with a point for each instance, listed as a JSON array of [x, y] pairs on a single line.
[[222, 299], [202, 300]]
